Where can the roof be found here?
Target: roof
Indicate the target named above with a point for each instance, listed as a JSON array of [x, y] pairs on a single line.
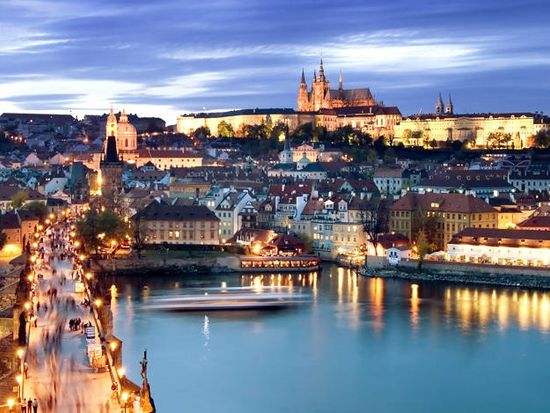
[[9, 220], [442, 202], [7, 192], [42, 117], [166, 153], [351, 94], [467, 179], [161, 211], [385, 172], [240, 112], [485, 234], [538, 221]]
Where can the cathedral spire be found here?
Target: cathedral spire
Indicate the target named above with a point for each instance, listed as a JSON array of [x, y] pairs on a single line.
[[303, 80], [449, 107], [321, 71], [314, 75], [341, 81], [439, 105]]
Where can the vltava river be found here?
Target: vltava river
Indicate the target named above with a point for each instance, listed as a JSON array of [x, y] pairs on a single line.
[[360, 345]]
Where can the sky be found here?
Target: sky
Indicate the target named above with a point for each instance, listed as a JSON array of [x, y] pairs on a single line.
[[168, 57]]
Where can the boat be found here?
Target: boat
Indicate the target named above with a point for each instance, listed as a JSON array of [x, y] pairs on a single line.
[[279, 263], [230, 299]]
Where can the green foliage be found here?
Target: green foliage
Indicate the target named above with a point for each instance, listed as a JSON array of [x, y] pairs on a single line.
[[423, 247], [497, 140], [18, 199], [38, 209], [98, 228], [389, 156], [201, 133], [542, 139], [308, 243], [225, 130]]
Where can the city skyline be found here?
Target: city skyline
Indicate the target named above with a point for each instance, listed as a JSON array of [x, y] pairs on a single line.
[[220, 55]]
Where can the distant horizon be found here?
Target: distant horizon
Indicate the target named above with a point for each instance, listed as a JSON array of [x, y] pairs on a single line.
[[84, 58]]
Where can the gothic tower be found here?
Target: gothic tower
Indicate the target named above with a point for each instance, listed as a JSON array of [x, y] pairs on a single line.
[[449, 106], [320, 90], [439, 106], [303, 95], [111, 172]]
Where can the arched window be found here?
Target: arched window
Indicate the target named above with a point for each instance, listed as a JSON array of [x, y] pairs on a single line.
[[126, 144]]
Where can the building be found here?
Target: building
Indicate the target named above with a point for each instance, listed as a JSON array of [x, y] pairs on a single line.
[[444, 214], [188, 123], [501, 246], [320, 106], [472, 128], [125, 134], [321, 96], [179, 224], [532, 179], [480, 182], [111, 171], [166, 159], [391, 181]]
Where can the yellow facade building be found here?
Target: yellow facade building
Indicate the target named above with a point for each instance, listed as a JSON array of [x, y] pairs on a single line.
[[420, 130]]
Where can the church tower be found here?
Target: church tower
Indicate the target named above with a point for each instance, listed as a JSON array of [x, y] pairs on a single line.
[[111, 172], [439, 106], [111, 127], [320, 90], [286, 155], [303, 95], [449, 106]]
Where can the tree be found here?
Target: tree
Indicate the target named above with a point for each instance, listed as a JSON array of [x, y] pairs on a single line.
[[389, 156], [201, 133], [138, 229], [423, 247], [542, 139], [308, 243], [18, 199], [406, 137], [497, 140], [225, 129], [38, 209], [97, 228], [375, 220]]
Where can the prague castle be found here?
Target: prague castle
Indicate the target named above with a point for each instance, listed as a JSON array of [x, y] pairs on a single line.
[[321, 106], [444, 125], [321, 96]]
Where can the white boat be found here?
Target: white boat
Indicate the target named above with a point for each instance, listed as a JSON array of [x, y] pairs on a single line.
[[227, 299]]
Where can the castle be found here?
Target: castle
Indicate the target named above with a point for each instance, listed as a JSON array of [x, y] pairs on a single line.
[[321, 96]]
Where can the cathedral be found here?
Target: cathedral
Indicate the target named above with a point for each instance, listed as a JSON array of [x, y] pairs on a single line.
[[321, 96], [125, 134]]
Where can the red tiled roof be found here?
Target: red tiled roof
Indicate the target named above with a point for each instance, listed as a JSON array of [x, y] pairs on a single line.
[[442, 202]]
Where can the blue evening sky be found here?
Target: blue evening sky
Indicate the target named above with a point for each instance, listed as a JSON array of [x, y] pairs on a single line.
[[164, 57]]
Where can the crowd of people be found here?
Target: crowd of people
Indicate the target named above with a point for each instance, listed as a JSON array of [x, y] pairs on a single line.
[[54, 305]]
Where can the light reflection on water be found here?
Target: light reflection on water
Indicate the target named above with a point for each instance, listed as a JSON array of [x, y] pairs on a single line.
[[356, 330]]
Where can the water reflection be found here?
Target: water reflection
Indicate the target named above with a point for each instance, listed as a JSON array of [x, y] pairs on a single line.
[[471, 308]]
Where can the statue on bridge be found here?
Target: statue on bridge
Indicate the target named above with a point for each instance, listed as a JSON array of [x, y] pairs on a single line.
[[147, 402]]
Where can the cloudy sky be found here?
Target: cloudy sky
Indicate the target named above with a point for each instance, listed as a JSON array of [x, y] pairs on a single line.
[[164, 57]]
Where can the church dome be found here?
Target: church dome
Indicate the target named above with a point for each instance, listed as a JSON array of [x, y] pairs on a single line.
[[126, 136]]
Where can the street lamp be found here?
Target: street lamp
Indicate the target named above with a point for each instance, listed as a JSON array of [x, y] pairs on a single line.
[[121, 372], [125, 396], [11, 403]]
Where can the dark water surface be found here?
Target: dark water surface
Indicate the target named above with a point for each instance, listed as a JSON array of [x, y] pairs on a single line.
[[360, 345]]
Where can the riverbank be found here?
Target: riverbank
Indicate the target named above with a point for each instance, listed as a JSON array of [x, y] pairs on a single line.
[[461, 273]]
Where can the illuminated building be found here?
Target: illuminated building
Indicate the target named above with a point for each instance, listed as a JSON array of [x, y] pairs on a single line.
[[450, 214], [111, 171], [180, 224], [501, 246], [473, 128]]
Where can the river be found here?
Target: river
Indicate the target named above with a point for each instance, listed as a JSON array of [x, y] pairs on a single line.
[[360, 345]]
